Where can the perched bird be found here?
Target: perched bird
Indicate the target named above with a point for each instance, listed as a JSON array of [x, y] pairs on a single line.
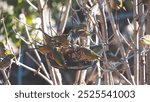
[[5, 62], [2, 45], [117, 4], [81, 30], [2, 49], [88, 54], [61, 40], [53, 53], [45, 49], [145, 41], [75, 33], [57, 41], [57, 57]]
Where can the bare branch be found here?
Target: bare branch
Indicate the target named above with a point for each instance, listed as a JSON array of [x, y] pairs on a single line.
[[64, 18], [116, 32], [5, 77], [35, 71]]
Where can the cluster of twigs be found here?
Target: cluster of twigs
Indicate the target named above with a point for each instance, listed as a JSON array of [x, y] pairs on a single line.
[[112, 68]]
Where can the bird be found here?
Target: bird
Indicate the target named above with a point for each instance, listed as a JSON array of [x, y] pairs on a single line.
[[45, 49], [145, 41], [117, 4], [52, 53], [5, 62], [81, 30], [88, 54], [57, 41], [61, 40], [2, 49], [77, 32]]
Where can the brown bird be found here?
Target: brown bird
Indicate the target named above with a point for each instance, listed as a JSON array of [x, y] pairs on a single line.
[[2, 49], [78, 31], [53, 53], [117, 4], [57, 41], [88, 54], [5, 62]]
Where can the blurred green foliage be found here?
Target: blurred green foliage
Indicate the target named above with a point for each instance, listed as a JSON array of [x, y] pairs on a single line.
[[10, 15], [11, 9]]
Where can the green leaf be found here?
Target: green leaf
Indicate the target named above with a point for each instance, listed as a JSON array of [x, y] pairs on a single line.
[[19, 1]]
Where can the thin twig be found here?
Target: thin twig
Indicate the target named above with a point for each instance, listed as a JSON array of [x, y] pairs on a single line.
[[35, 71], [77, 78], [148, 33], [51, 71], [136, 40], [58, 76], [40, 9], [141, 70], [111, 78], [91, 76], [5, 77], [126, 41], [116, 32], [64, 18], [82, 77], [33, 59], [35, 50], [32, 5], [103, 22]]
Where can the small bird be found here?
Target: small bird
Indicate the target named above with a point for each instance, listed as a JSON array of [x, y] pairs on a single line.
[[57, 57], [88, 54], [57, 41], [81, 30], [75, 33], [117, 4], [5, 62], [61, 40], [2, 45], [45, 49], [53, 53], [2, 49], [145, 41]]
